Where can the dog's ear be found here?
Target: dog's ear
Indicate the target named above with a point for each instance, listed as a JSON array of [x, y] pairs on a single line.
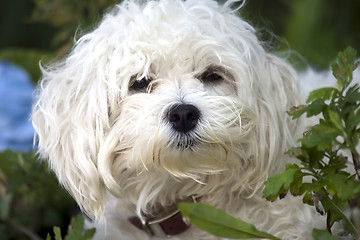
[[70, 117], [75, 107], [281, 89], [276, 92], [282, 93]]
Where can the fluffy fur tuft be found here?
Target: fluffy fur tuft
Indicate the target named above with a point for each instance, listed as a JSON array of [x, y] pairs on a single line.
[[113, 147]]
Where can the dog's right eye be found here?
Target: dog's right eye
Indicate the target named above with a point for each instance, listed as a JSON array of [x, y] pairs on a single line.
[[212, 75], [140, 84]]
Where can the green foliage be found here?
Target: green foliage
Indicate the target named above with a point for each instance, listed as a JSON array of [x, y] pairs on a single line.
[[67, 16], [322, 235], [282, 182], [321, 157], [302, 29], [75, 232], [316, 29], [219, 223], [325, 150], [31, 200]]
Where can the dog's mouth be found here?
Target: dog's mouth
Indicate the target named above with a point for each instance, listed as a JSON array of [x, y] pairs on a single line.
[[185, 145], [183, 142]]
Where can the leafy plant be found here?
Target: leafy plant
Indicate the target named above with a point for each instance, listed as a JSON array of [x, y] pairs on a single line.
[[326, 148], [75, 232], [67, 16], [323, 155], [31, 200]]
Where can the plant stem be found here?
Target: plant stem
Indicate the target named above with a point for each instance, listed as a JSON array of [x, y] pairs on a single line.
[[340, 212], [356, 161], [328, 225]]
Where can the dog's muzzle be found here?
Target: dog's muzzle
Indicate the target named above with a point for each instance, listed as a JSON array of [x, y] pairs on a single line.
[[184, 117]]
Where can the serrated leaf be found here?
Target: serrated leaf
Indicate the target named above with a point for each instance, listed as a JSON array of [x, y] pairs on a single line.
[[89, 233], [310, 157], [345, 187], [308, 198], [336, 120], [353, 121], [347, 57], [281, 182], [352, 95], [315, 108], [297, 111], [342, 70], [76, 229], [320, 136], [219, 223], [318, 234], [338, 74], [321, 93]]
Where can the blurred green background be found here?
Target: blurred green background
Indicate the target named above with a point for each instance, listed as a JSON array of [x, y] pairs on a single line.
[[31, 202], [314, 29]]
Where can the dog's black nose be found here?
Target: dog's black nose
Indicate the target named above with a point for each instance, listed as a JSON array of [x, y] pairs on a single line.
[[183, 117]]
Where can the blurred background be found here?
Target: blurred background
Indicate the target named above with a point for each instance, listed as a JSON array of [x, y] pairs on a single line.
[[31, 201]]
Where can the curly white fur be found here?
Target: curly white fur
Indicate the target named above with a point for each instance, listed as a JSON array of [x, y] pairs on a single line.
[[116, 153]]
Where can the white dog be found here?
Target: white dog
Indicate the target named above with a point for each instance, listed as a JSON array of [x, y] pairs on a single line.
[[165, 102]]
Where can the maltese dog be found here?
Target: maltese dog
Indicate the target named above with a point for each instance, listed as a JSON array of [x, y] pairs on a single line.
[[171, 101]]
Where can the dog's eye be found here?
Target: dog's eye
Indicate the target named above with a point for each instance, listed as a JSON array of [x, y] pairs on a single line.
[[140, 85], [211, 75]]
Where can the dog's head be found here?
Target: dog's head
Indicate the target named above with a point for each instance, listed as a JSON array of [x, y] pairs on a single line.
[[163, 93]]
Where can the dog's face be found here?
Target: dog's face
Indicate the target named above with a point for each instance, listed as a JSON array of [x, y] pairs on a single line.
[[164, 100]]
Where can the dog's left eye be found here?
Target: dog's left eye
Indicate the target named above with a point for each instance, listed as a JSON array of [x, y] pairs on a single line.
[[211, 75], [140, 85]]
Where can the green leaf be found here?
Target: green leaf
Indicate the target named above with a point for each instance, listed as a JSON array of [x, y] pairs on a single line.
[[321, 136], [57, 232], [343, 68], [347, 189], [48, 237], [281, 182], [352, 95], [309, 157], [308, 198], [76, 229], [336, 208], [321, 93], [315, 108], [347, 58], [335, 120], [297, 111], [318, 234], [353, 121], [219, 223]]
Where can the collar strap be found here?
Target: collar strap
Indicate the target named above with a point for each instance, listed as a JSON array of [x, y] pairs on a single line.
[[170, 225]]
